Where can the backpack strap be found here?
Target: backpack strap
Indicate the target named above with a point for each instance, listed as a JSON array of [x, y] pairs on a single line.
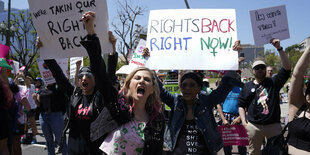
[[301, 109]]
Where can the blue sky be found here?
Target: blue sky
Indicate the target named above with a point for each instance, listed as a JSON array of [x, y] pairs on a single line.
[[298, 14]]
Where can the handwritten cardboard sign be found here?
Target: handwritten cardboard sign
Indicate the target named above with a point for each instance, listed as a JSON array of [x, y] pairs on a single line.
[[46, 74], [186, 39], [269, 23], [73, 61], [60, 27], [234, 135], [137, 59]]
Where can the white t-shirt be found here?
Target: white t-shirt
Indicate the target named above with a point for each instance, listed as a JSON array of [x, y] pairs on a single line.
[[128, 139]]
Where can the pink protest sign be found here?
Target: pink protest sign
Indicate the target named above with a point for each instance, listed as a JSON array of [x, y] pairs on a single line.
[[4, 51], [234, 135]]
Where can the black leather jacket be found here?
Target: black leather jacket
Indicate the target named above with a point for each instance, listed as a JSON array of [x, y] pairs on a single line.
[[103, 92]]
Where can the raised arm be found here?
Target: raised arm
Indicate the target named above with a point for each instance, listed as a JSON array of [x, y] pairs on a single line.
[[220, 93], [77, 69], [61, 80], [165, 96], [112, 59], [284, 59], [229, 80], [97, 65], [295, 95]]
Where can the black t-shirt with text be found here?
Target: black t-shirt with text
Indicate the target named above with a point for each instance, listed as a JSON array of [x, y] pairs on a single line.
[[79, 136], [190, 140]]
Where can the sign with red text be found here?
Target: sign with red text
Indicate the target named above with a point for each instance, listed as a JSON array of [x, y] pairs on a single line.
[[192, 39], [137, 59], [234, 135], [46, 74], [60, 27], [269, 23]]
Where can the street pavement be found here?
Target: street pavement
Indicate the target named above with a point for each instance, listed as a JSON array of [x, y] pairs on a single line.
[[36, 149], [40, 147]]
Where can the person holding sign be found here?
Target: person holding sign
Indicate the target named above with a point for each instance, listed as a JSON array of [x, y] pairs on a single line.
[[261, 99], [191, 127], [130, 122], [228, 110], [93, 92], [298, 128]]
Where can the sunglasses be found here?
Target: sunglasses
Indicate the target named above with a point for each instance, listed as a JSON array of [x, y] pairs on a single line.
[[173, 76], [262, 67], [88, 75], [190, 85]]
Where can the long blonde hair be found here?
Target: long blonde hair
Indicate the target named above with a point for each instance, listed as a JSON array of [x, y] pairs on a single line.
[[153, 102]]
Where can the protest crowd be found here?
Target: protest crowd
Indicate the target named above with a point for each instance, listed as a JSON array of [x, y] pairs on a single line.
[[100, 113]]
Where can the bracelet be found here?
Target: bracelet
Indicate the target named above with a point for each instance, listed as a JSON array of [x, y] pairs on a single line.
[[280, 49]]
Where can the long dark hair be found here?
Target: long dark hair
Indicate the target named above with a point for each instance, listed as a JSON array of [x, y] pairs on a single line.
[[14, 88], [6, 96]]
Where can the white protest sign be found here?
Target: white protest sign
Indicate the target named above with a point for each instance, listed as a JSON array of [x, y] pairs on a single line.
[[73, 61], [269, 23], [187, 39], [47, 74], [15, 66], [137, 58], [60, 27]]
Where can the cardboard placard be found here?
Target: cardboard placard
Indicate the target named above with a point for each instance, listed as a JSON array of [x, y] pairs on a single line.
[[188, 39], [60, 27], [269, 23]]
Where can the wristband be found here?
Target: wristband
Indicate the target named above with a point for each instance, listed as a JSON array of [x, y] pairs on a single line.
[[280, 49]]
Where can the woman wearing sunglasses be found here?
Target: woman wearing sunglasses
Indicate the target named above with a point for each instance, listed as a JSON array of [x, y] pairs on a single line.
[[191, 127], [94, 89]]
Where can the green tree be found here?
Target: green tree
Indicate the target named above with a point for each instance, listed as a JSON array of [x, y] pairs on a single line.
[[293, 54], [272, 58], [23, 45]]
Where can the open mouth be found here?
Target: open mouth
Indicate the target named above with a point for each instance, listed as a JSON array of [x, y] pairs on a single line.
[[84, 84], [141, 91]]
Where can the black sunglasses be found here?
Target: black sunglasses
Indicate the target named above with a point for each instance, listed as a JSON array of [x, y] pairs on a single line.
[[262, 67], [88, 75]]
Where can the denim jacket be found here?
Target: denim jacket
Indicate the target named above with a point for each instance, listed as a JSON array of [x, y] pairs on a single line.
[[203, 115]]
